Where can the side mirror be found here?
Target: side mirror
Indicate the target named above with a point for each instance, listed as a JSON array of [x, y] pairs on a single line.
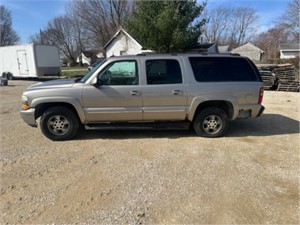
[[96, 82]]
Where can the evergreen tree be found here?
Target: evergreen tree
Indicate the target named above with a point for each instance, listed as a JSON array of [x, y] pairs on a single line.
[[167, 26]]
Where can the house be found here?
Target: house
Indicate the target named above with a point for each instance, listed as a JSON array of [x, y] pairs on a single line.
[[288, 51], [123, 43], [209, 48], [88, 57], [223, 48], [249, 50]]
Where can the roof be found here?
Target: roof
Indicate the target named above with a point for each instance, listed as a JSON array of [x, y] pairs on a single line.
[[90, 53], [202, 46], [287, 46], [223, 48], [207, 47], [246, 47], [119, 32]]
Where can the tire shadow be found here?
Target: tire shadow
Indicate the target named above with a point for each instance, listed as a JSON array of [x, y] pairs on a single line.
[[266, 125]]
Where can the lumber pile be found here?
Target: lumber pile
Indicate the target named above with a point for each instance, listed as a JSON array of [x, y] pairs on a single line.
[[268, 82], [289, 86], [283, 78]]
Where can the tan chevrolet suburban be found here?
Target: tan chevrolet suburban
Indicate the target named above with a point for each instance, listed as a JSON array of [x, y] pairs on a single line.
[[168, 91]]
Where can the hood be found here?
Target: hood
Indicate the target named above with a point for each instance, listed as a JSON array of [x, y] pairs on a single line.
[[60, 83]]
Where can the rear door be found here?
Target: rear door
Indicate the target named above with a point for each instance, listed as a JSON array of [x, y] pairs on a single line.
[[22, 62], [165, 93]]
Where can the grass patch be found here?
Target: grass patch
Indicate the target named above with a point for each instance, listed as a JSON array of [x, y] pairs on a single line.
[[73, 71]]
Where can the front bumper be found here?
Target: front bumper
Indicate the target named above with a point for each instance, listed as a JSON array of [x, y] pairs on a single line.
[[28, 117]]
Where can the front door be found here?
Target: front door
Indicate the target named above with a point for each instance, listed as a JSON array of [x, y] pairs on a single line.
[[118, 98], [22, 62]]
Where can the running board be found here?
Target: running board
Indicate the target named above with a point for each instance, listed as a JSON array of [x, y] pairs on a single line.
[[139, 126]]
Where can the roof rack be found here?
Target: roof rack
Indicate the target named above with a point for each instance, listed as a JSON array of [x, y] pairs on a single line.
[[198, 53]]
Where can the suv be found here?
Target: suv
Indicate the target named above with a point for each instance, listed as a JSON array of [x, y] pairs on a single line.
[[167, 91]]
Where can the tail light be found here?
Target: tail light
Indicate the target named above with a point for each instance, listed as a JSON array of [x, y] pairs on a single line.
[[261, 95]]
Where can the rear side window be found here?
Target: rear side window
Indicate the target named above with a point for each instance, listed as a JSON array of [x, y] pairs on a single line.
[[163, 71], [222, 69]]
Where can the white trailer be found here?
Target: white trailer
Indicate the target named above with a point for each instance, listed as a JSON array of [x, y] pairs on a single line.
[[30, 60]]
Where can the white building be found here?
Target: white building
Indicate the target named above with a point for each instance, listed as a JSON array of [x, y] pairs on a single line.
[[289, 51], [249, 50], [123, 44], [88, 57], [223, 48]]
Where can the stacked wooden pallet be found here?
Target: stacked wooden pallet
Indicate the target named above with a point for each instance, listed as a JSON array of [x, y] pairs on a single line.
[[268, 82], [284, 79], [287, 78], [293, 86], [285, 72]]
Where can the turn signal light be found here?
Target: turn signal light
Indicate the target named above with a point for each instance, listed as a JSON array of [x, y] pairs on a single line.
[[25, 107]]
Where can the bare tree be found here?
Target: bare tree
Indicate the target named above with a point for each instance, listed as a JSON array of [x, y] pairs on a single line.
[[102, 18], [232, 26], [87, 25], [217, 27], [245, 23], [291, 19], [269, 41], [63, 32], [8, 36]]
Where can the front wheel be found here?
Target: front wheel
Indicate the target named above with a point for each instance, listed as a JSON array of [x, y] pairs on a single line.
[[211, 122], [59, 124]]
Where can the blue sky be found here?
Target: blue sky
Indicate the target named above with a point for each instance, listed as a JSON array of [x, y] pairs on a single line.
[[31, 15]]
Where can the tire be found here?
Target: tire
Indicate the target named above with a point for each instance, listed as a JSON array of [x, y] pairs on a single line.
[[59, 124], [9, 76], [211, 122]]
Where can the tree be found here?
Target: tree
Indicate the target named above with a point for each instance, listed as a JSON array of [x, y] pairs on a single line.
[[216, 29], [291, 20], [231, 26], [61, 31], [103, 19], [77, 30], [8, 36], [166, 26], [269, 41]]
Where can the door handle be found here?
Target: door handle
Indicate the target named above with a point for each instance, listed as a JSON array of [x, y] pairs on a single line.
[[177, 92], [136, 93]]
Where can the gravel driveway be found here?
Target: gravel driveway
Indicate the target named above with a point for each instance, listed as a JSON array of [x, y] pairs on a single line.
[[152, 177]]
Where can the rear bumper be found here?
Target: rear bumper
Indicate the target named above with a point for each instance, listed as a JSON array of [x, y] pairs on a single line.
[[252, 111], [28, 117], [262, 108]]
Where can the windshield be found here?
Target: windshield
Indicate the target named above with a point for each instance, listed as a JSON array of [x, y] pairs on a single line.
[[90, 73]]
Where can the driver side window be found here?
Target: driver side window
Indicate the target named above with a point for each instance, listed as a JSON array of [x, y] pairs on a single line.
[[120, 73]]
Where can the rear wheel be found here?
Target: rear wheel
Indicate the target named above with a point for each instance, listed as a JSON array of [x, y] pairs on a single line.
[[211, 122], [59, 124]]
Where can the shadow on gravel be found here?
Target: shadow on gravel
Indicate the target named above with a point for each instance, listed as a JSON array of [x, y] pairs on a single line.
[[266, 125], [134, 134]]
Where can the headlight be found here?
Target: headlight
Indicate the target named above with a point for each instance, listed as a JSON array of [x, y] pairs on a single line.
[[25, 105], [24, 98]]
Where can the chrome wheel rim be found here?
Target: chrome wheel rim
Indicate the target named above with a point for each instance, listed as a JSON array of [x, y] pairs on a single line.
[[58, 125], [212, 124]]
